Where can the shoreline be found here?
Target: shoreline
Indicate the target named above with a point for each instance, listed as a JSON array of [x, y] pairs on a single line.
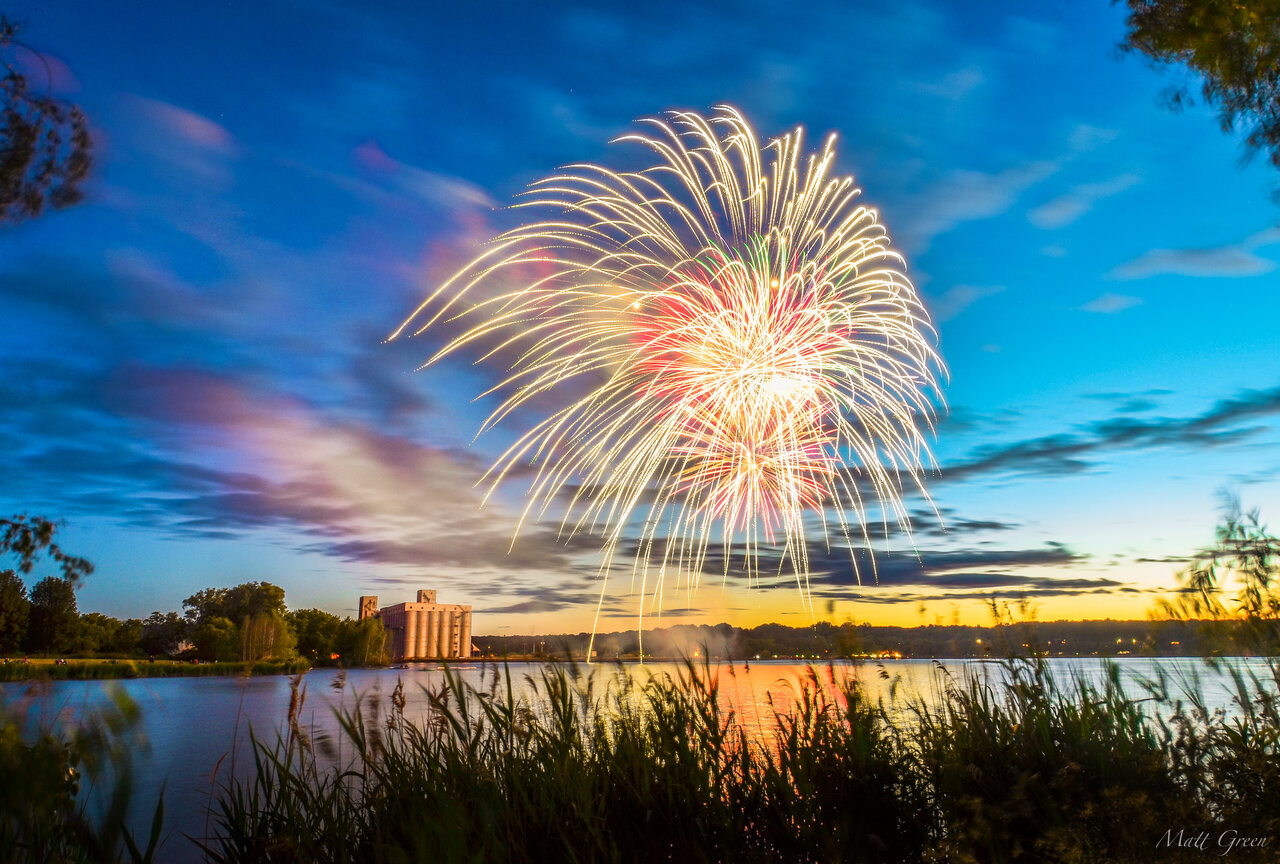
[[810, 661], [93, 669], [17, 671]]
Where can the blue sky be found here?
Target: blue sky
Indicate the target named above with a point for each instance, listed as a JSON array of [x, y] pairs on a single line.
[[193, 373]]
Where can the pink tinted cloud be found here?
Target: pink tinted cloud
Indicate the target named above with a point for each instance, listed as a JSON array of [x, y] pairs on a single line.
[[187, 126], [45, 73], [439, 190], [346, 489]]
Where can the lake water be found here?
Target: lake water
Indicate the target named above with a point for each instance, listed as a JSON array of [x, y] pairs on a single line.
[[194, 731]]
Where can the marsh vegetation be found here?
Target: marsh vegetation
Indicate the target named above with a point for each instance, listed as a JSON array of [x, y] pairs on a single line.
[[1017, 768]]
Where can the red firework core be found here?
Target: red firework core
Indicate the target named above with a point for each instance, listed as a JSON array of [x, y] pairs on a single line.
[[736, 360]]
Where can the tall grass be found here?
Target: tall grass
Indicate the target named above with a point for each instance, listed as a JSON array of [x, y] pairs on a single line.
[[1231, 762], [1011, 769], [65, 794]]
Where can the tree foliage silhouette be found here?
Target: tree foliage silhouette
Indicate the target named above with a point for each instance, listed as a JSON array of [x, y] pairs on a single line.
[[1235, 582], [54, 615], [27, 537], [45, 147], [1234, 48], [15, 612]]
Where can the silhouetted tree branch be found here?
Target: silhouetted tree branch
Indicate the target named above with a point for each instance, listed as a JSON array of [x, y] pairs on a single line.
[[27, 537], [44, 142], [1232, 45]]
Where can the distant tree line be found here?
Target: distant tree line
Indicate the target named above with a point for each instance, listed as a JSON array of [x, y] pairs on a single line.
[[827, 641], [247, 622]]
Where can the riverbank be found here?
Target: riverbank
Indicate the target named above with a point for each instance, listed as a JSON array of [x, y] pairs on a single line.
[[94, 670]]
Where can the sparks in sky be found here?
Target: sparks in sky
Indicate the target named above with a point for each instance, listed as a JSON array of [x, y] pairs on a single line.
[[730, 349]]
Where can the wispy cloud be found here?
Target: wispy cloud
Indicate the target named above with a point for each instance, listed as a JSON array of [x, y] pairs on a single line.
[[844, 565], [1240, 259], [431, 187], [1109, 304], [957, 84], [959, 298], [188, 146], [954, 568], [967, 196], [1065, 209], [45, 72], [1065, 453], [173, 445], [1131, 403], [351, 492], [1086, 138], [945, 522], [965, 574], [1031, 590]]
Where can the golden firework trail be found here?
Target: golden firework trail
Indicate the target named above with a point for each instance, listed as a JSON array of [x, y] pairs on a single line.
[[733, 354]]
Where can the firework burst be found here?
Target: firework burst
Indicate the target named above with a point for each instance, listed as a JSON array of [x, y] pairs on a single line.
[[733, 354]]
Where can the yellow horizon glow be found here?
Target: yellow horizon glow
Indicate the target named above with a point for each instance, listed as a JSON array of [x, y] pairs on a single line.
[[969, 612]]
